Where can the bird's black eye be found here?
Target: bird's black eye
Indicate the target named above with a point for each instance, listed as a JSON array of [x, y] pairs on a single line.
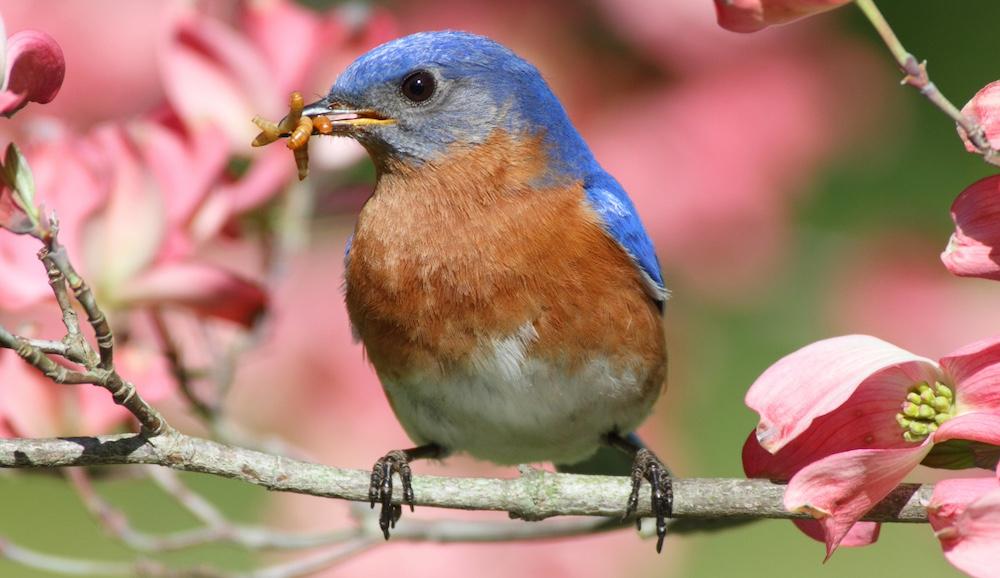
[[418, 86]]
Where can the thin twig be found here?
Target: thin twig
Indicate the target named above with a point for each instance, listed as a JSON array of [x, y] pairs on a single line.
[[30, 558], [123, 392], [310, 564], [59, 565], [180, 373], [216, 529], [37, 358], [56, 253], [50, 347], [73, 346], [534, 496], [57, 281], [194, 503], [917, 77]]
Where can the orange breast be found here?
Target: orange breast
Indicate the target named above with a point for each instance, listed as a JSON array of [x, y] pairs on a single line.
[[451, 254]]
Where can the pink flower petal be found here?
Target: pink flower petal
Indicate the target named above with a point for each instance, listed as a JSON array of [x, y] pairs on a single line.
[[268, 175], [976, 426], [965, 515], [861, 534], [31, 402], [866, 420], [972, 252], [984, 108], [65, 182], [3, 50], [124, 237], [185, 165], [974, 373], [213, 75], [271, 23], [206, 289], [840, 489], [819, 378], [754, 15], [35, 70]]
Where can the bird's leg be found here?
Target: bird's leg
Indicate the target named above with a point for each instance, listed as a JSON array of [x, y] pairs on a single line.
[[380, 490], [646, 465]]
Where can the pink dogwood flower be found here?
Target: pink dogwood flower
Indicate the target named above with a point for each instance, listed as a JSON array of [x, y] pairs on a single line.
[[33, 68], [754, 15], [844, 420], [984, 108], [126, 197], [219, 75], [973, 250], [965, 515]]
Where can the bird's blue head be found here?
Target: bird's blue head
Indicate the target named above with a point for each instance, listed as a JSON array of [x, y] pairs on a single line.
[[414, 98]]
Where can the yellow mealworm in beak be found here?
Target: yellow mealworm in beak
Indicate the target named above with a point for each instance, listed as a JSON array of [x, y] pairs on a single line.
[[295, 106], [299, 138], [298, 128], [302, 161], [323, 125], [298, 141], [269, 132]]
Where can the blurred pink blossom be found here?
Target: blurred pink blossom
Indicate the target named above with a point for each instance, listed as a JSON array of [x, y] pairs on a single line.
[[973, 248], [126, 196], [965, 515], [31, 405], [220, 74], [846, 419], [722, 224], [325, 380], [566, 58], [111, 61], [754, 15], [684, 35], [877, 283], [33, 69]]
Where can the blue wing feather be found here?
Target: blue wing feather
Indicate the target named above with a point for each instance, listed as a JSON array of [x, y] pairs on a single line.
[[621, 221]]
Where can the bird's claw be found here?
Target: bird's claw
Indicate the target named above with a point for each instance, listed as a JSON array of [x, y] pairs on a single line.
[[649, 467], [380, 489]]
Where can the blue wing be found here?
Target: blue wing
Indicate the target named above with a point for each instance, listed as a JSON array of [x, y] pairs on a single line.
[[621, 221]]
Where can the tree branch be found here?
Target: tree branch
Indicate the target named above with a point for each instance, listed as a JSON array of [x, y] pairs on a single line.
[[917, 77], [536, 495]]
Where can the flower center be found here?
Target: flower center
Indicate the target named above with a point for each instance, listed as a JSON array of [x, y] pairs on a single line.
[[925, 409]]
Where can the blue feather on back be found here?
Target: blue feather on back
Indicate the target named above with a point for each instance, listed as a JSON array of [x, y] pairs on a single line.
[[621, 221]]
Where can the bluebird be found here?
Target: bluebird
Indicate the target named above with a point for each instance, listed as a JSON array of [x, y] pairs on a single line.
[[501, 282]]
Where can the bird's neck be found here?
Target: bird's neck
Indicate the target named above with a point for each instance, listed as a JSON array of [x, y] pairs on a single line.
[[470, 178]]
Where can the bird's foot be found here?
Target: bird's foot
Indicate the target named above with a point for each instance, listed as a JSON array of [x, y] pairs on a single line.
[[649, 467], [380, 490]]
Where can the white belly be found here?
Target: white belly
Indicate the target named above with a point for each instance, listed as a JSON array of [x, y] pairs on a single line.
[[510, 408]]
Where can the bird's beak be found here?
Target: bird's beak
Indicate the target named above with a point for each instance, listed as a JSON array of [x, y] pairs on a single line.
[[345, 117]]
